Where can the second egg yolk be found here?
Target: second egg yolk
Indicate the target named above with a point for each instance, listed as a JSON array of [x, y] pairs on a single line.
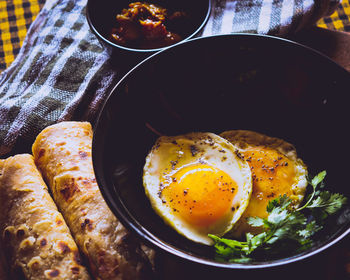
[[273, 174], [200, 194]]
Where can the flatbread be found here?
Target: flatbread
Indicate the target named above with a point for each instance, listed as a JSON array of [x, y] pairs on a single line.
[[36, 240], [62, 152]]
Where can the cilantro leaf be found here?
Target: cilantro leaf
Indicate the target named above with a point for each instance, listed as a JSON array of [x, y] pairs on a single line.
[[310, 229], [326, 204], [280, 202], [256, 221], [314, 183], [283, 224], [329, 202], [318, 178]]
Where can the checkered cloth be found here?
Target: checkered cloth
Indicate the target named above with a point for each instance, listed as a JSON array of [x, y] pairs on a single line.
[[15, 19], [339, 20], [17, 15], [63, 73]]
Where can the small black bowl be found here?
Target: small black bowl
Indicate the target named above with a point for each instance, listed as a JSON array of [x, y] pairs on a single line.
[[101, 18], [240, 81]]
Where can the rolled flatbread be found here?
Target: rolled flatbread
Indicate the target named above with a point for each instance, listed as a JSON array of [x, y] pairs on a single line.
[[35, 238], [62, 153]]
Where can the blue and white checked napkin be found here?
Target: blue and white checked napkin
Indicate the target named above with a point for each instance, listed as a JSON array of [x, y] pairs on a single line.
[[63, 73]]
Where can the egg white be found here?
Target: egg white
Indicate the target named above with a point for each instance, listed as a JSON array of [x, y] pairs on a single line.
[[169, 154]]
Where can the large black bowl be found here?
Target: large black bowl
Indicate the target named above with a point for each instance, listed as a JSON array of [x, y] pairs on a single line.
[[259, 83]]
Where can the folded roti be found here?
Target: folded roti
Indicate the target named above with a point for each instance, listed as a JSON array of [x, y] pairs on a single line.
[[35, 238], [62, 153]]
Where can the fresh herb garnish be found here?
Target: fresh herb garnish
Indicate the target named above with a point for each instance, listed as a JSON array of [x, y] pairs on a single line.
[[284, 225]]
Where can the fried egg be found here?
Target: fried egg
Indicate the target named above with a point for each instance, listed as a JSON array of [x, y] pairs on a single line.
[[276, 170], [198, 184]]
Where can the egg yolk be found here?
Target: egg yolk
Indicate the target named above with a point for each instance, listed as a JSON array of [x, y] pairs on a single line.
[[200, 194], [273, 175]]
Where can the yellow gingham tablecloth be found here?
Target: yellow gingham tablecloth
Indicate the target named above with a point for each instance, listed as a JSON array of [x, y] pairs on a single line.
[[15, 19], [339, 20], [17, 15]]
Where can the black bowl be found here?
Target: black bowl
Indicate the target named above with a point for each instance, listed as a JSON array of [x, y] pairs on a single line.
[[260, 83], [101, 18]]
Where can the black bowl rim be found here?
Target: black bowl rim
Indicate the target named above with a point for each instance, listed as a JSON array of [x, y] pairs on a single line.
[[150, 238], [110, 43]]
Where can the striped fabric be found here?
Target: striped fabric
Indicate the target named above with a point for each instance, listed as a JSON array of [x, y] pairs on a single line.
[[266, 16], [17, 15], [63, 73]]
